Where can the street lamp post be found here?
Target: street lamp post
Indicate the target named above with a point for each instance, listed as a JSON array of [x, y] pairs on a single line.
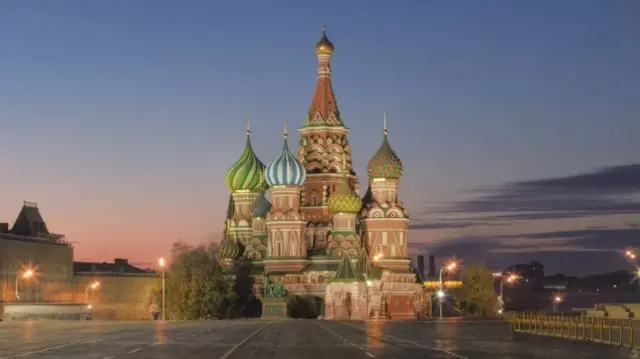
[[451, 266], [631, 255], [92, 286], [511, 278], [26, 275], [556, 301], [162, 265]]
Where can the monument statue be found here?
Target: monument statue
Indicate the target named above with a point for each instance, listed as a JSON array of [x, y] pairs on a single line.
[[273, 289], [274, 304], [278, 290]]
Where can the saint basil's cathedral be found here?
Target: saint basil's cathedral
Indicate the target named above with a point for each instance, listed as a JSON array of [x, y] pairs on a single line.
[[317, 236]]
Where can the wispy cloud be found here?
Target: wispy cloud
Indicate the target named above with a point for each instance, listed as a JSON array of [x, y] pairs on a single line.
[[559, 220], [443, 225], [574, 243], [606, 191]]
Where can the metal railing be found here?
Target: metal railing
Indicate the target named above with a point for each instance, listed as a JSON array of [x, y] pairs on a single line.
[[598, 330]]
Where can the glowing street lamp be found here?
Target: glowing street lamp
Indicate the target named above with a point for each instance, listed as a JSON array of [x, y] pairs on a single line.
[[556, 301], [162, 265], [27, 274], [93, 286], [631, 255], [511, 278], [449, 267]]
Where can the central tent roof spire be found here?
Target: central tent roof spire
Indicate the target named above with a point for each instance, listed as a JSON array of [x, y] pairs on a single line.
[[324, 107]]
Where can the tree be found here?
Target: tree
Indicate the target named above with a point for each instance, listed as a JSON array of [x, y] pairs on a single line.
[[196, 286], [477, 296]]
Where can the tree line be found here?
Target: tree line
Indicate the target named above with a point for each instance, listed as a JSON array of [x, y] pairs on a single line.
[[198, 287]]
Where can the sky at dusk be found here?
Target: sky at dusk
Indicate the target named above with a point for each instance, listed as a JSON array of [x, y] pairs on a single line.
[[517, 122]]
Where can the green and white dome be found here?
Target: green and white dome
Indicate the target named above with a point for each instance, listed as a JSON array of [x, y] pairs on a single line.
[[247, 174]]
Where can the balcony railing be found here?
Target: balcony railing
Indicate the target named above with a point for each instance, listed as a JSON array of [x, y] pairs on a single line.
[[44, 238]]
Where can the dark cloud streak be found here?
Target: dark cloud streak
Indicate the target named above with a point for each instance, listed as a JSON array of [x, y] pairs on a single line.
[[602, 192]]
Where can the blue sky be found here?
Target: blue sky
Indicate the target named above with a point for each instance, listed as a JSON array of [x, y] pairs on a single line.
[[121, 117]]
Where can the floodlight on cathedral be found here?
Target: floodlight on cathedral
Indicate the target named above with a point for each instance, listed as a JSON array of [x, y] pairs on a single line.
[[285, 170], [247, 174]]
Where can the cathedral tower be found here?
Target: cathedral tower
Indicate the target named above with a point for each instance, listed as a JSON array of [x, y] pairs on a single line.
[[245, 179], [286, 245], [384, 219], [322, 150], [345, 204]]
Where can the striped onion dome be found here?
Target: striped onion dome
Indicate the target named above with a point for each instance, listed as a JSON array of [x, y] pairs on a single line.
[[247, 174], [385, 163], [285, 170], [261, 206], [229, 249], [344, 200]]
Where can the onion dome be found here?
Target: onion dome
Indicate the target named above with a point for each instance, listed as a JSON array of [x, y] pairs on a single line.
[[324, 46], [261, 206], [285, 170], [229, 248], [385, 163], [247, 174], [344, 200]]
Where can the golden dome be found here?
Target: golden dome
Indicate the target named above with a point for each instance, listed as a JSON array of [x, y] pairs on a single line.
[[344, 200], [324, 46]]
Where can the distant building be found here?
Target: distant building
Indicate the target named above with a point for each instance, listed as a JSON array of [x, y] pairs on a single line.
[[420, 261], [432, 267], [119, 266], [29, 243], [124, 289]]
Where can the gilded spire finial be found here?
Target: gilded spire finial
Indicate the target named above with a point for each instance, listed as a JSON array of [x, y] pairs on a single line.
[[248, 125], [285, 129], [384, 123], [324, 46]]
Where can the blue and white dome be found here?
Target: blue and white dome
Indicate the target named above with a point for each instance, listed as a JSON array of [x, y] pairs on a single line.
[[285, 170]]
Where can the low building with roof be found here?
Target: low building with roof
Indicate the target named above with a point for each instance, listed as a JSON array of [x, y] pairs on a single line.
[[28, 246]]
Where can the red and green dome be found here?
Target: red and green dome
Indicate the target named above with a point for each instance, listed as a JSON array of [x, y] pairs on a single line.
[[385, 163]]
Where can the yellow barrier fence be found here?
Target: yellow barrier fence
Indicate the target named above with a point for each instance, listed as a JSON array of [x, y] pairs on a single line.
[[598, 330]]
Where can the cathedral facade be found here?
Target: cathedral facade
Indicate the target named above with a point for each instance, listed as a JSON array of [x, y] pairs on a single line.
[[317, 235]]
